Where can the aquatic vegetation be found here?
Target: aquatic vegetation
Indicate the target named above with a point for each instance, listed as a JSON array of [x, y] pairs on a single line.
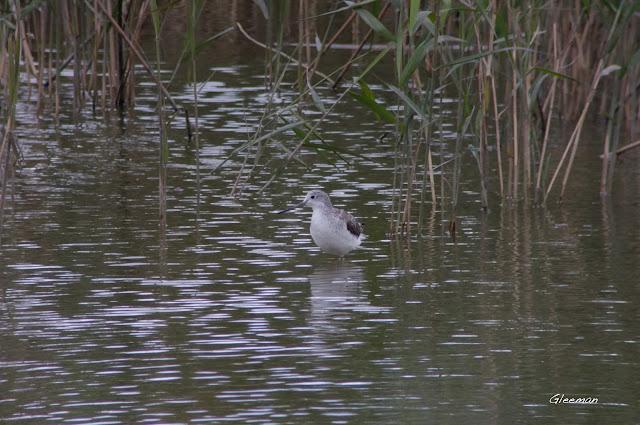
[[517, 73]]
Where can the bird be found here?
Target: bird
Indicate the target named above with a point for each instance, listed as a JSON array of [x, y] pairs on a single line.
[[335, 231]]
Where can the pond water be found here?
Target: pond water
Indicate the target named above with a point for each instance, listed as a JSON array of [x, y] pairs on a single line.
[[231, 314]]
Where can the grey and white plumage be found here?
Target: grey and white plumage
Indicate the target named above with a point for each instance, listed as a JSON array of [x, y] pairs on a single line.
[[335, 231]]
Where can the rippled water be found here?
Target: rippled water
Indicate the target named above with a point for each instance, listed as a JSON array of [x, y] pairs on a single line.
[[232, 314]]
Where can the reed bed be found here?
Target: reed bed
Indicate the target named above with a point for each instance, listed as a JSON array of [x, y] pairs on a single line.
[[517, 71]]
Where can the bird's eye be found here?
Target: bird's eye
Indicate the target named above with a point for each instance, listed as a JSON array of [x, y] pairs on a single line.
[[313, 196]]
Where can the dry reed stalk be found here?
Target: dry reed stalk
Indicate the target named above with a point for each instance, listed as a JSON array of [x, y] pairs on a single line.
[[333, 39], [548, 107], [104, 76], [56, 89], [192, 20], [13, 54], [163, 149], [360, 46], [139, 55], [435, 62], [573, 140], [91, 85], [399, 221], [484, 69], [67, 61], [8, 136], [632, 105], [514, 117], [308, 29], [318, 122], [5, 172], [143, 11], [113, 56], [626, 148], [301, 31], [621, 95], [605, 163], [612, 138], [432, 181], [274, 50], [406, 215], [526, 130], [30, 66], [4, 70], [72, 32], [41, 34], [582, 58], [429, 166], [600, 72], [498, 137], [49, 82], [457, 169], [394, 187], [494, 101]]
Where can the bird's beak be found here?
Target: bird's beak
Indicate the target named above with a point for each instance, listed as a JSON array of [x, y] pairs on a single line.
[[301, 204]]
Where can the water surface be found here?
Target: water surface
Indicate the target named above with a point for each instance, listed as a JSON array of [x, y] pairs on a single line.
[[231, 314]]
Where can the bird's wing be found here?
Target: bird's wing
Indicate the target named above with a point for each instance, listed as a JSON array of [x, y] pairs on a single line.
[[353, 226]]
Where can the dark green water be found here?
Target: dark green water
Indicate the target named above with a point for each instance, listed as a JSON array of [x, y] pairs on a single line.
[[231, 314]]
